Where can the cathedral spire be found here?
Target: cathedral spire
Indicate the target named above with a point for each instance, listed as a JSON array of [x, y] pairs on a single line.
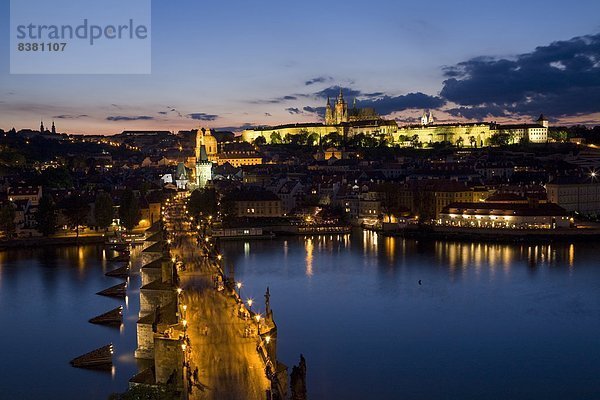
[[341, 96], [41, 126], [53, 128]]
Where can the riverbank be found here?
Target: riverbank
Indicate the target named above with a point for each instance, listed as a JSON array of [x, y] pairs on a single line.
[[52, 241], [496, 235]]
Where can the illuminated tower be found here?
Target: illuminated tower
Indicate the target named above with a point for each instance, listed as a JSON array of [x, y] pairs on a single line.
[[203, 165], [341, 109], [329, 120]]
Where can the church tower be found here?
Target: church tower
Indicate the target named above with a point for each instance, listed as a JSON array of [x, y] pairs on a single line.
[[329, 120], [42, 127], [53, 128], [341, 109]]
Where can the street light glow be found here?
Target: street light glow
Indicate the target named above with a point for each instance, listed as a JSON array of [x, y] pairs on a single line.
[[250, 301]]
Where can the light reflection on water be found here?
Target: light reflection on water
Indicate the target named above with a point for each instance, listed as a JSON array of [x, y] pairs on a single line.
[[485, 314], [49, 293]]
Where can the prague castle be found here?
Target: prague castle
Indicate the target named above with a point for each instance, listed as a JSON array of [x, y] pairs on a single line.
[[340, 119], [348, 122]]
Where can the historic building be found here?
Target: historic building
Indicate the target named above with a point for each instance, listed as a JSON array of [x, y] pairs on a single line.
[[210, 143], [203, 164], [349, 122], [476, 134], [339, 118]]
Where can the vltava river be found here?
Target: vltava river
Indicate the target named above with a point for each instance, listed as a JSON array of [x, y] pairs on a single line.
[[488, 321]]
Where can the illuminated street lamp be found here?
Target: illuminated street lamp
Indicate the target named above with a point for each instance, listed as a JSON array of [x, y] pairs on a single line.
[[250, 301], [179, 290], [257, 317], [268, 339]]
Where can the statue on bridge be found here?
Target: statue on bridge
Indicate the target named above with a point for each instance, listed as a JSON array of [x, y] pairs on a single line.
[[298, 380]]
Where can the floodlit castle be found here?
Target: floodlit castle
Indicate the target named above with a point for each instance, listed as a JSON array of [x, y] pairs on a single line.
[[339, 118], [348, 122]]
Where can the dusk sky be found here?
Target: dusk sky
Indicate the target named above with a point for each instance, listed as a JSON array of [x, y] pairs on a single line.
[[237, 63]]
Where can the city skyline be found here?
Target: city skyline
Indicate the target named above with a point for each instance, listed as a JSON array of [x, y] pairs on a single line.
[[267, 64]]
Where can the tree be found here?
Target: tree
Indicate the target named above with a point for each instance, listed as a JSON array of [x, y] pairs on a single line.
[[203, 201], [129, 210], [76, 210], [46, 216], [499, 139], [103, 210], [459, 142], [472, 141], [275, 138], [332, 139], [143, 392], [414, 141], [260, 141], [313, 139], [7, 219]]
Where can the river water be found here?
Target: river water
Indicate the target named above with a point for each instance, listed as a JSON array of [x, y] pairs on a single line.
[[488, 321]]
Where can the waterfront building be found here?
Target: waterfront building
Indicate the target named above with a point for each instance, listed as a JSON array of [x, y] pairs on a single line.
[[257, 204], [504, 215], [575, 193]]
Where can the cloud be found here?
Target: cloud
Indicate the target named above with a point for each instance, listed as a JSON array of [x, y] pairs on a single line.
[[163, 112], [334, 91], [126, 118], [384, 104], [560, 79], [389, 104], [67, 116], [293, 110], [268, 114], [318, 79], [276, 100], [246, 125], [320, 111], [479, 113], [203, 116]]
